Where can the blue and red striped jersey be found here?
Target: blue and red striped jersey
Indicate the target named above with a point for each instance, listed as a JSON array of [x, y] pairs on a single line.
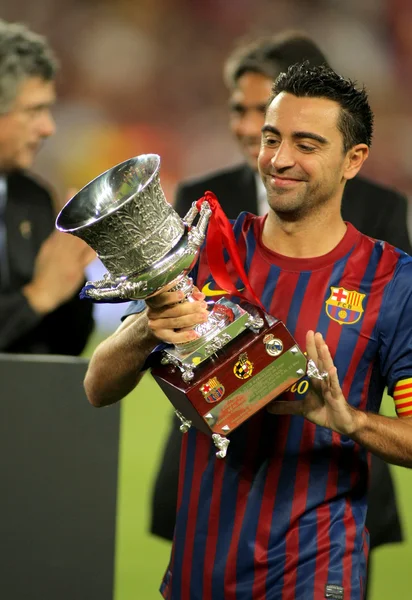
[[282, 516]]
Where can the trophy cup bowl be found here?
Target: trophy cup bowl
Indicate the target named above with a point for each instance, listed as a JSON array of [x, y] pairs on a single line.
[[140, 239], [242, 359]]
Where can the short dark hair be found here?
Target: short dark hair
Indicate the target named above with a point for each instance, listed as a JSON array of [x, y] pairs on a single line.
[[23, 54], [356, 117], [270, 55]]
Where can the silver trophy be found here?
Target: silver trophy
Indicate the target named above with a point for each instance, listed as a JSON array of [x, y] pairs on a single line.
[[140, 239], [147, 248]]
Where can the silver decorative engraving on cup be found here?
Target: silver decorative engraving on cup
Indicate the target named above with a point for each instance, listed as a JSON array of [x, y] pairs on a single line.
[[141, 240]]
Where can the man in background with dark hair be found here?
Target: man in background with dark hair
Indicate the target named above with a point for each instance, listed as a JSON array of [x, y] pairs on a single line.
[[375, 210], [41, 270]]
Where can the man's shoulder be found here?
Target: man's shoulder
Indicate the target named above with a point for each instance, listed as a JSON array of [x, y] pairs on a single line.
[[25, 183], [403, 266], [393, 264]]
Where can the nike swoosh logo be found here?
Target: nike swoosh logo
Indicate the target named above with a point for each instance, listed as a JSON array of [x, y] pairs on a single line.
[[208, 291]]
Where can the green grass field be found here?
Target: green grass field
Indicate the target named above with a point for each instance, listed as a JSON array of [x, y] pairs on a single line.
[[141, 558]]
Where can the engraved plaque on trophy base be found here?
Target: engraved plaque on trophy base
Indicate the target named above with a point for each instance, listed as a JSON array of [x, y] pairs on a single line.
[[236, 382]]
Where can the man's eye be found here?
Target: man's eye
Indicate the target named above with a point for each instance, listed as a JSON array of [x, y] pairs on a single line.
[[237, 110], [33, 111], [306, 148], [271, 141]]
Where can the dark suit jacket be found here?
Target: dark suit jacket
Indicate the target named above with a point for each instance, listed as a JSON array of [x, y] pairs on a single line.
[[376, 211], [29, 219]]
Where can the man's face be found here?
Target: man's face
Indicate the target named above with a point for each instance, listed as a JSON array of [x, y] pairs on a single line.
[[301, 161], [27, 124], [247, 113]]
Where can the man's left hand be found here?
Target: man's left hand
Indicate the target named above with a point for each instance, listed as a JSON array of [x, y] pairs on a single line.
[[324, 403]]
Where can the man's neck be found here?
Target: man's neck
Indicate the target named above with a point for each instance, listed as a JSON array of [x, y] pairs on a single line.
[[314, 235]]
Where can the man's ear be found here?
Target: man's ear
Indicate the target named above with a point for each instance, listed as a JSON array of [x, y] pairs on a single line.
[[354, 160]]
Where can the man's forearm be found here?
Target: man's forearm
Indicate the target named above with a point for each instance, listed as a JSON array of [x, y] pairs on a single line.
[[387, 437], [115, 367]]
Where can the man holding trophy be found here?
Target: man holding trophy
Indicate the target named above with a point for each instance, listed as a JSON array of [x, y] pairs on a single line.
[[283, 514]]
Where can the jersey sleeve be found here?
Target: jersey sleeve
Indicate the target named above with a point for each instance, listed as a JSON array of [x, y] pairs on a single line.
[[396, 338], [134, 308]]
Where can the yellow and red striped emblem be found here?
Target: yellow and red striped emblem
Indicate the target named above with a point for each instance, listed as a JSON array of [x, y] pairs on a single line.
[[344, 306], [402, 397], [212, 390]]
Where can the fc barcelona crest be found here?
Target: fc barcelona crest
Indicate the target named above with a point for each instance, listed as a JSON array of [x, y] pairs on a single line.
[[212, 390], [344, 306]]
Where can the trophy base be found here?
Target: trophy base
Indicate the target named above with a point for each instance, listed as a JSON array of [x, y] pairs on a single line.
[[236, 382], [226, 322]]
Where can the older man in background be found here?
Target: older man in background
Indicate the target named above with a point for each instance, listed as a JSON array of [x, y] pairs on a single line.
[[41, 270]]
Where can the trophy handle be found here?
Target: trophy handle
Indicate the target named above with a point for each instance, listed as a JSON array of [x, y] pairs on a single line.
[[197, 233], [192, 213], [110, 289]]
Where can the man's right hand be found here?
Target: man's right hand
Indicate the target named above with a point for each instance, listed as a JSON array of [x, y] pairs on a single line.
[[172, 320], [58, 271], [115, 367]]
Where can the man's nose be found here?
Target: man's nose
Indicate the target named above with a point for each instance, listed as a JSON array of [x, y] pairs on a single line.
[[283, 156], [47, 124]]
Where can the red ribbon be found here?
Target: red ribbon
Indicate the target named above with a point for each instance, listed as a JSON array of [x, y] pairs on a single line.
[[220, 237]]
